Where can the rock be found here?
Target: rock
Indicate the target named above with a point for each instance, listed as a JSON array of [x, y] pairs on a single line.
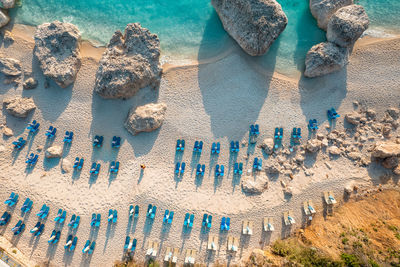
[[394, 113], [19, 106], [334, 150], [371, 114], [4, 19], [288, 191], [348, 189], [397, 170], [391, 162], [130, 62], [386, 149], [272, 167], [7, 131], [325, 58], [54, 152], [7, 4], [257, 258], [57, 49], [322, 10], [299, 159], [145, 118], [347, 25], [30, 83], [353, 118], [268, 146], [10, 66], [66, 166], [354, 155], [313, 145], [253, 185], [8, 37], [253, 24]]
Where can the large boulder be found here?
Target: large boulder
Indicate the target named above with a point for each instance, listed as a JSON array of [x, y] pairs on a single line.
[[386, 150], [254, 186], [10, 66], [57, 49], [7, 4], [131, 62], [322, 10], [19, 106], [54, 152], [254, 24], [313, 145], [347, 25], [145, 118], [4, 19], [353, 117], [325, 58], [268, 145]]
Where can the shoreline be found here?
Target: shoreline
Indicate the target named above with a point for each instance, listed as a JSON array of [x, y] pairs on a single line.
[[90, 50]]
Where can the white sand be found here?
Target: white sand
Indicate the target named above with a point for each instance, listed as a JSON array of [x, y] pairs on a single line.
[[210, 102]]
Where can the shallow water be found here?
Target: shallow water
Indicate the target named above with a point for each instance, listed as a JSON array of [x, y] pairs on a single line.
[[190, 29]]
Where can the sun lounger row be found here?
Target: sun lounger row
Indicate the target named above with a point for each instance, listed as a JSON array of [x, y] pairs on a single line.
[[78, 163], [312, 125], [114, 167], [116, 142], [234, 147], [31, 160], [257, 164], [254, 130], [151, 211], [215, 148], [152, 249], [219, 170], [18, 228], [225, 223], [180, 145], [98, 141], [27, 206], [238, 168], [44, 211], [19, 143], [71, 242], [51, 132], [198, 146], [95, 168], [189, 219], [69, 135], [38, 229], [61, 215], [207, 221], [54, 237], [200, 170], [89, 247], [74, 222], [171, 255], [96, 220], [296, 133], [168, 217], [5, 218], [134, 211]]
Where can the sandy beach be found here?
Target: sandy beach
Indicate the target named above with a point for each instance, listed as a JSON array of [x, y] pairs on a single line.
[[212, 101]]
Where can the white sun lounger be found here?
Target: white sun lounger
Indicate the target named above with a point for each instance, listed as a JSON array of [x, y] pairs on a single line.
[[268, 224], [288, 218], [152, 249], [190, 256], [247, 227], [233, 243], [329, 198], [212, 242]]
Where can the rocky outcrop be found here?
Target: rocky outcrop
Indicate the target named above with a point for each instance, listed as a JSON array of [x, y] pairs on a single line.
[[131, 62], [254, 186], [325, 58], [347, 25], [54, 152], [145, 118], [10, 66], [322, 10], [334, 150], [30, 83], [353, 118], [57, 49], [19, 106], [4, 19], [66, 166], [386, 150], [7, 4], [254, 24]]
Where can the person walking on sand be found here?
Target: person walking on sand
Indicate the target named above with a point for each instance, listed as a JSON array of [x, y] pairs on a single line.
[[142, 166]]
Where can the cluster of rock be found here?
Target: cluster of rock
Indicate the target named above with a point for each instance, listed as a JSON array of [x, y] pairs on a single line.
[[358, 143], [344, 23], [253, 24], [57, 50], [145, 118], [4, 18], [131, 62], [254, 185]]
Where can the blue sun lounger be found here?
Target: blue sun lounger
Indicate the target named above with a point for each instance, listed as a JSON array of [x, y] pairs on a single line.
[[116, 142], [42, 210], [5, 218], [36, 228], [63, 216], [112, 215], [93, 220], [73, 245], [134, 243], [136, 212], [198, 146], [115, 216], [76, 163], [332, 114], [191, 220], [180, 145], [12, 199], [51, 132], [45, 212], [200, 170], [207, 221], [31, 124], [225, 223], [98, 220], [221, 171], [313, 125], [151, 213], [76, 223], [72, 221], [234, 146], [92, 246], [186, 220], [19, 223], [127, 241], [57, 218]]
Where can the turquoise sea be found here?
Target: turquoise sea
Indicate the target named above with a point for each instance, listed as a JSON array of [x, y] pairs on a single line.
[[190, 29]]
